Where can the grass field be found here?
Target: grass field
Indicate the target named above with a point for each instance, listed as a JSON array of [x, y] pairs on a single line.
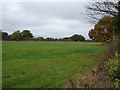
[[46, 64], [0, 64]]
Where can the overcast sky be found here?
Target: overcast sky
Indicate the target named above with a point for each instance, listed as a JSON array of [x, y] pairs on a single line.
[[46, 19]]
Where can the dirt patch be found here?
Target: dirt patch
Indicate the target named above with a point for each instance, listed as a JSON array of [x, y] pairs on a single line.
[[97, 77]]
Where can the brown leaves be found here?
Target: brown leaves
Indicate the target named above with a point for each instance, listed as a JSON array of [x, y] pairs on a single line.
[[102, 30]]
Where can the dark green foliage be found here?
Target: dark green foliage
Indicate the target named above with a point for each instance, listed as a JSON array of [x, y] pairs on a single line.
[[4, 35], [16, 36], [40, 38], [66, 38], [49, 39], [77, 37], [27, 35], [115, 24]]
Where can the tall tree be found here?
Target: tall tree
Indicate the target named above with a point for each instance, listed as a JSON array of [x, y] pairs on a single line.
[[27, 35], [16, 36], [102, 30], [98, 9]]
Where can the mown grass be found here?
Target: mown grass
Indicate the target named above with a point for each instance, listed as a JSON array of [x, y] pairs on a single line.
[[46, 64]]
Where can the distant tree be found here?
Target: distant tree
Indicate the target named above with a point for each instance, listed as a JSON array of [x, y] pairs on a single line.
[[4, 35], [27, 35], [60, 39], [40, 38], [102, 30], [66, 38], [55, 39], [49, 39], [16, 36], [77, 37]]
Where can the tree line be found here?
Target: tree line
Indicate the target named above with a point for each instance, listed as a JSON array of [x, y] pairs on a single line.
[[104, 30], [26, 35]]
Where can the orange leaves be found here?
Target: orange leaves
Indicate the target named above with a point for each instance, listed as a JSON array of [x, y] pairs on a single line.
[[102, 30]]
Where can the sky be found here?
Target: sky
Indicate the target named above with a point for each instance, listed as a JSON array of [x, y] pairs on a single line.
[[46, 19]]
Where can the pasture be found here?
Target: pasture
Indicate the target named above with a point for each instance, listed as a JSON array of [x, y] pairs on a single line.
[[46, 64]]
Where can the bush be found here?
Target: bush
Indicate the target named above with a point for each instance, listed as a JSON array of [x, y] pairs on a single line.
[[113, 67], [114, 44]]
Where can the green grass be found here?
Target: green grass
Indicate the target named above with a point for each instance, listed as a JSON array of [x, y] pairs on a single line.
[[0, 64], [46, 64]]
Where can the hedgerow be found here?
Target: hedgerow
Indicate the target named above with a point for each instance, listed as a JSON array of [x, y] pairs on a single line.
[[113, 67]]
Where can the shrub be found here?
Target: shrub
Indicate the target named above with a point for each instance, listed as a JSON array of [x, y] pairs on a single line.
[[113, 67]]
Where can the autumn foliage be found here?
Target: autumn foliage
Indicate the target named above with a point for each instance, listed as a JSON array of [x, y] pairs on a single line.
[[102, 30]]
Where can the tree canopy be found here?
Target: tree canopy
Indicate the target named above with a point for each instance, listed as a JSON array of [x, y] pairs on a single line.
[[77, 37], [26, 34], [16, 36], [4, 35], [102, 30], [98, 9]]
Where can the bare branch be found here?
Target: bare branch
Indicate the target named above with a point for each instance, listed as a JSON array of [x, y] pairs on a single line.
[[98, 9]]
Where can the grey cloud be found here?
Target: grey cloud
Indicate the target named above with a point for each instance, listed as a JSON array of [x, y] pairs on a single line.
[[64, 10], [48, 19], [0, 16]]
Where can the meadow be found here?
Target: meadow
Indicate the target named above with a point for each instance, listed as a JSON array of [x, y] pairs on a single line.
[[46, 64]]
